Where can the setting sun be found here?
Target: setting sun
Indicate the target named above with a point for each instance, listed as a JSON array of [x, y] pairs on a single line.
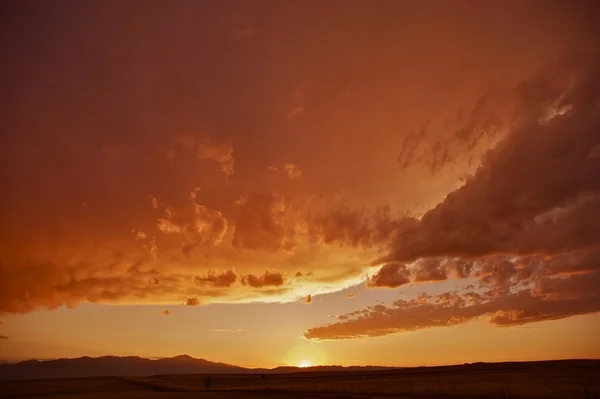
[[304, 364]]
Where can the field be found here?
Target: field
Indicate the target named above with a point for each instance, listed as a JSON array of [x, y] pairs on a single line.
[[567, 379]]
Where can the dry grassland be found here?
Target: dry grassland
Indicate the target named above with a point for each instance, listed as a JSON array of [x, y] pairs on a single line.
[[534, 380]]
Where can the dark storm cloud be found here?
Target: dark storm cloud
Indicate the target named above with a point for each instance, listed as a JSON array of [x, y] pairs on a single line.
[[524, 225], [512, 204]]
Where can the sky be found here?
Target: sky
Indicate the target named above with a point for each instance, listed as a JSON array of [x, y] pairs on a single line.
[[271, 183]]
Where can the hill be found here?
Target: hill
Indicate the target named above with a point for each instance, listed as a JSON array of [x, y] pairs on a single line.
[[112, 366], [133, 366]]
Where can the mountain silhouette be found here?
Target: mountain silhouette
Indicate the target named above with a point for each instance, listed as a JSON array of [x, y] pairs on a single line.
[[112, 366], [134, 366]]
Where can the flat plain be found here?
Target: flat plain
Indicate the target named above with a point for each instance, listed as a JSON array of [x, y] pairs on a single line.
[[559, 379]]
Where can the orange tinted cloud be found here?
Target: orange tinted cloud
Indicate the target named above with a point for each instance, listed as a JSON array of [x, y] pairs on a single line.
[[206, 149], [184, 251], [195, 224], [264, 221], [391, 275], [267, 279], [352, 227], [293, 171], [524, 234], [102, 202], [192, 302], [114, 275], [430, 270], [275, 222], [547, 298], [225, 279]]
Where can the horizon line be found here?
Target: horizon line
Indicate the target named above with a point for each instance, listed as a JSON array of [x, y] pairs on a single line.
[[250, 368]]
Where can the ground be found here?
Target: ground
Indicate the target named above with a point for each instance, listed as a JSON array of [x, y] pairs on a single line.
[[568, 380]]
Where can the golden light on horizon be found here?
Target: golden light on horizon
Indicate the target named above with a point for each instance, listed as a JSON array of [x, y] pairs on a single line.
[[306, 354], [305, 364]]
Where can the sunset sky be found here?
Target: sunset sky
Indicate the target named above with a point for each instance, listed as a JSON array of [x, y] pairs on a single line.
[[270, 183]]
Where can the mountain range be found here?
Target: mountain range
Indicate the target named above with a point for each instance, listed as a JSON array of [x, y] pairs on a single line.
[[133, 366]]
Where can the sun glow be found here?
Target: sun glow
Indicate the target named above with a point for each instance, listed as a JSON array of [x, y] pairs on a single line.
[[304, 364]]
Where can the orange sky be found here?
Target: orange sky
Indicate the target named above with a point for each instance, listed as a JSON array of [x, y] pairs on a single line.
[[265, 183]]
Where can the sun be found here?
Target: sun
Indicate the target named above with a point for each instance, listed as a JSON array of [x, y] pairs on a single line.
[[304, 364]]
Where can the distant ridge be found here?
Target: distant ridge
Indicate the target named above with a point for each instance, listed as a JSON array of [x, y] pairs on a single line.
[[134, 366]]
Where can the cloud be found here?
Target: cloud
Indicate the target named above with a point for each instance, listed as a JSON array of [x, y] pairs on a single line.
[[153, 201], [548, 298], [129, 279], [265, 221], [276, 222], [194, 192], [192, 302], [195, 224], [504, 206], [221, 153], [225, 279], [348, 226], [292, 171], [166, 312], [410, 144], [540, 99], [140, 235], [226, 330], [470, 134], [186, 256], [54, 252], [391, 275], [268, 279], [523, 225], [345, 274], [125, 275], [430, 270], [206, 149]]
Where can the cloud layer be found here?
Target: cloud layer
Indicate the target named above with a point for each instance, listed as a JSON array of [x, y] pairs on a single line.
[[523, 225], [232, 150]]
